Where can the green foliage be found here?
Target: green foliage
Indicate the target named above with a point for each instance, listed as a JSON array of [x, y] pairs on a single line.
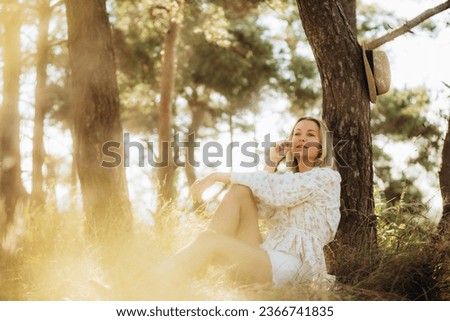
[[372, 21], [401, 222], [138, 41], [215, 54], [237, 9], [138, 34], [409, 264], [409, 258], [298, 78], [237, 72], [299, 83], [223, 51], [404, 188], [400, 116]]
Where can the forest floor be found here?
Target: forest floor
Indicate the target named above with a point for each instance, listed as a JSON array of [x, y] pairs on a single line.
[[49, 258]]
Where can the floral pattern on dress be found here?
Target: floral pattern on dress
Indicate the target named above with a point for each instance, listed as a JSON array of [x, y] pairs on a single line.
[[301, 212]]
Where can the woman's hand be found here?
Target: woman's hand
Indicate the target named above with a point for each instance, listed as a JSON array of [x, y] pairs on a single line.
[[202, 184], [282, 148], [277, 153]]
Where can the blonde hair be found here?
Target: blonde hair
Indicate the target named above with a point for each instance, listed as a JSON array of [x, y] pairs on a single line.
[[326, 158]]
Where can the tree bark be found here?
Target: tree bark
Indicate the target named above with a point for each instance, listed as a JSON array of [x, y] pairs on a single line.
[[11, 187], [41, 104], [346, 110], [73, 174], [444, 182], [167, 171], [349, 9], [198, 112], [198, 109], [95, 105]]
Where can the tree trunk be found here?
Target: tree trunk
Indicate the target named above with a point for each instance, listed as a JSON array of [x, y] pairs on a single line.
[[70, 123], [167, 171], [346, 110], [11, 188], [198, 110], [349, 9], [73, 174], [95, 105], [444, 182], [37, 192]]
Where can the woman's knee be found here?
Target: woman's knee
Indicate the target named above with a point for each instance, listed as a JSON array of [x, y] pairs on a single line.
[[241, 191], [211, 242]]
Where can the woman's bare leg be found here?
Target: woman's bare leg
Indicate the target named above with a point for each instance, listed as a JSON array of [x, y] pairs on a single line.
[[237, 216], [232, 238], [250, 262]]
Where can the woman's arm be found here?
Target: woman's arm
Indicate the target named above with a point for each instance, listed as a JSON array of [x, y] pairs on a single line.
[[289, 189], [220, 177], [202, 184]]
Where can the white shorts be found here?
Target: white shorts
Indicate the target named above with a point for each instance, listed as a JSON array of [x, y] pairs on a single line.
[[285, 267]]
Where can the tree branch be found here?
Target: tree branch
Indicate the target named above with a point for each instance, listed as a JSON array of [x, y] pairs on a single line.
[[56, 4], [406, 27]]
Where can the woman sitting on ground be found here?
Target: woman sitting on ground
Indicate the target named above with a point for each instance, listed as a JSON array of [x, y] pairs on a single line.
[[301, 208]]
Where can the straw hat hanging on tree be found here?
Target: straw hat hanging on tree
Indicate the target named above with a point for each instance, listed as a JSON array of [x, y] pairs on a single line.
[[378, 72]]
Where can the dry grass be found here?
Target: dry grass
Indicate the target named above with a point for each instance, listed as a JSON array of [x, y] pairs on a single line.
[[52, 260]]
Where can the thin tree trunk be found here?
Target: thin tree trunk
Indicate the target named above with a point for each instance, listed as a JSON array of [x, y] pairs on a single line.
[[95, 105], [191, 176], [11, 187], [70, 121], [73, 174], [346, 110], [198, 112], [444, 182], [231, 129], [37, 193], [167, 170]]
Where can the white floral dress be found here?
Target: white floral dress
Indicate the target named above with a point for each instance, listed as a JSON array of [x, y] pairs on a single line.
[[302, 213]]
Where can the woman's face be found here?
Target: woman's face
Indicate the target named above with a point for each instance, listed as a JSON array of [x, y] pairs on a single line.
[[306, 144]]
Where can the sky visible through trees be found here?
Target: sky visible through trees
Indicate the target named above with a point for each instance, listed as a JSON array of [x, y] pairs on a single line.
[[416, 60]]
